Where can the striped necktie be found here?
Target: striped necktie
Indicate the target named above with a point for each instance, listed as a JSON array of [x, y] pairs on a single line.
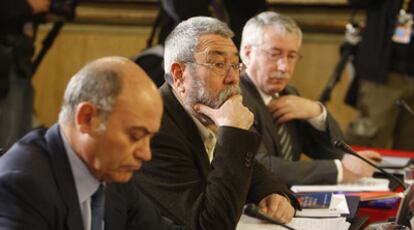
[[284, 142], [98, 208]]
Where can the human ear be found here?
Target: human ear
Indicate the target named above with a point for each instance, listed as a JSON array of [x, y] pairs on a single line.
[[247, 51], [86, 117], [177, 70]]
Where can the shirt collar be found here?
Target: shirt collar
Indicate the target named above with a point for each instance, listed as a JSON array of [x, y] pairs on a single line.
[[266, 97], [86, 183]]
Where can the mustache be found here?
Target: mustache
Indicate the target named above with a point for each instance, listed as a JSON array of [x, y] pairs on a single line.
[[279, 75], [228, 92]]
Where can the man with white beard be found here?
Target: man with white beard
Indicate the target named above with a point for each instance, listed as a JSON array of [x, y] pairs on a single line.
[[203, 169], [290, 124]]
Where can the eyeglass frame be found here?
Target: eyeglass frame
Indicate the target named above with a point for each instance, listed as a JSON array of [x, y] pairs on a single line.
[[277, 57], [215, 67]]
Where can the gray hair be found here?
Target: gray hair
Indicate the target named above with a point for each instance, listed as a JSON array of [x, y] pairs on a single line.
[[253, 30], [97, 84], [182, 42]]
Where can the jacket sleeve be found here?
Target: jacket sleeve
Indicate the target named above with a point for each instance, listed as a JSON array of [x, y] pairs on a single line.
[[265, 183], [318, 146], [300, 172], [14, 10], [23, 203], [192, 191], [314, 143], [142, 213]]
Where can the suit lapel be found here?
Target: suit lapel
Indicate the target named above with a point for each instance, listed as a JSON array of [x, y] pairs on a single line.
[[185, 123], [263, 117], [64, 178]]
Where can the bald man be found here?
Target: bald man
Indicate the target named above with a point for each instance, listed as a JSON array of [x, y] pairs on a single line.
[[76, 174]]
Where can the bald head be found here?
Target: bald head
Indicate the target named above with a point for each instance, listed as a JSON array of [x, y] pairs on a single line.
[[110, 110], [104, 81]]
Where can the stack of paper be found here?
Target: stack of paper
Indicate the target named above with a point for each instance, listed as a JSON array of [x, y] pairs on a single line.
[[376, 195], [314, 199], [338, 207], [394, 162], [338, 223], [363, 184], [394, 165]]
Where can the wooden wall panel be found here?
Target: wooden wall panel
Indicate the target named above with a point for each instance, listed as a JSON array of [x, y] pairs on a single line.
[[320, 56], [76, 46], [80, 43]]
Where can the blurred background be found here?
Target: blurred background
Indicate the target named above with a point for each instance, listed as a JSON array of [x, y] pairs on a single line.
[[122, 27]]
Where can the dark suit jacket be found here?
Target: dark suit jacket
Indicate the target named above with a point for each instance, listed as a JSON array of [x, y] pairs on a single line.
[[304, 138], [194, 192], [37, 191]]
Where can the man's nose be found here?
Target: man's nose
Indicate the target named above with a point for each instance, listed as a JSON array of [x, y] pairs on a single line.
[[231, 76], [143, 151], [282, 64]]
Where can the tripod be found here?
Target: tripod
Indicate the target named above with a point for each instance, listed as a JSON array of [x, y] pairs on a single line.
[[348, 48]]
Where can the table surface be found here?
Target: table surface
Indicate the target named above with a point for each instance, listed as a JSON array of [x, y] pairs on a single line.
[[381, 214]]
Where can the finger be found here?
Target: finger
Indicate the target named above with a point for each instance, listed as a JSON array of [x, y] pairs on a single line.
[[237, 97], [263, 206], [279, 112], [284, 211], [285, 118], [375, 156], [273, 106], [273, 206], [289, 213], [203, 109], [285, 114], [286, 111], [371, 155]]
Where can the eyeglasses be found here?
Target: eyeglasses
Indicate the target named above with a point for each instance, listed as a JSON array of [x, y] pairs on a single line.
[[221, 68], [276, 55]]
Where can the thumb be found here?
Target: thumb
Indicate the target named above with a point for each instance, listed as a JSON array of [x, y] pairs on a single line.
[[204, 109], [262, 206]]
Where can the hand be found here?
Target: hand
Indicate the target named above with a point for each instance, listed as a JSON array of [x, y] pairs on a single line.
[[354, 168], [291, 107], [39, 6], [277, 207], [232, 113]]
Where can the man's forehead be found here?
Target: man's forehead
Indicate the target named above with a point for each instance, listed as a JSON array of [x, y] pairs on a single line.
[[210, 53], [277, 39], [215, 42]]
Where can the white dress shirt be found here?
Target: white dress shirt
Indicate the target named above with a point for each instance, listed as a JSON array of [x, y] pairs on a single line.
[[86, 184]]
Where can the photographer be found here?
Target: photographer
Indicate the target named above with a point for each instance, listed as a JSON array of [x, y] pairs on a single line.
[[17, 32], [384, 66]]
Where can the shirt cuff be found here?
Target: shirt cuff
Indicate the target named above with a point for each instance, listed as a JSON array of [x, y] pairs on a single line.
[[339, 168], [319, 122]]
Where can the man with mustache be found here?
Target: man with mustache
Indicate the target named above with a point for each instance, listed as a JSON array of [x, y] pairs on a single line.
[[290, 124], [203, 169]]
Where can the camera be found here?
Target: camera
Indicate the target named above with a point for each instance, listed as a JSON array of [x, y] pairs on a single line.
[[64, 8]]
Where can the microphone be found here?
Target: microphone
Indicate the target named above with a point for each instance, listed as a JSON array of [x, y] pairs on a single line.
[[403, 105], [253, 211], [346, 148]]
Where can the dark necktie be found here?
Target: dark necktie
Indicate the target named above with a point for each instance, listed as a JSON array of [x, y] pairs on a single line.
[[98, 208], [285, 145]]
